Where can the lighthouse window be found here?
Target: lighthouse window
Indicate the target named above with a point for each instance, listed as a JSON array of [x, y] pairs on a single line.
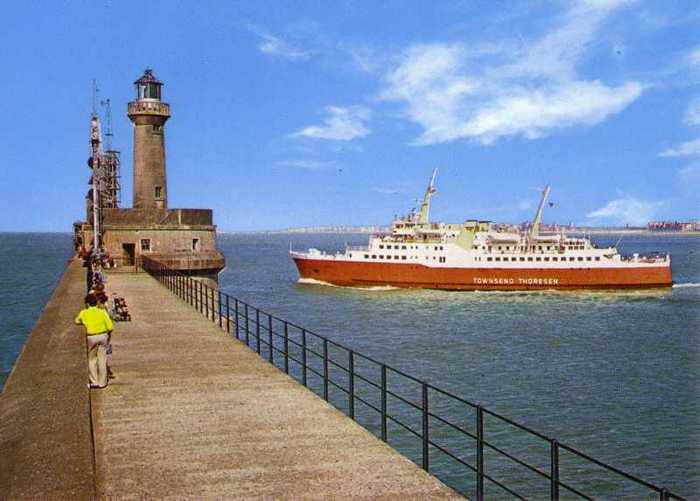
[[157, 129], [145, 244], [195, 244], [159, 192]]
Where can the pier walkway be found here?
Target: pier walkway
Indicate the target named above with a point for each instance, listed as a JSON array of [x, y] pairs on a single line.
[[193, 412]]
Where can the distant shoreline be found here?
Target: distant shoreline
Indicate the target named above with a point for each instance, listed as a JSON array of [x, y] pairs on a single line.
[[357, 231]]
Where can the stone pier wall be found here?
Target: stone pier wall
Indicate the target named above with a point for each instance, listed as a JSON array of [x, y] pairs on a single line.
[[46, 444]]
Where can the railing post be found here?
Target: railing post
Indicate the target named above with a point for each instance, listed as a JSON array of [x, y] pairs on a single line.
[[351, 383], [247, 328], [479, 454], [325, 369], [213, 306], [235, 326], [257, 330], [228, 315], [206, 301], [303, 357], [286, 347], [271, 357], [663, 495], [426, 429], [221, 325], [554, 470], [384, 437], [201, 303]]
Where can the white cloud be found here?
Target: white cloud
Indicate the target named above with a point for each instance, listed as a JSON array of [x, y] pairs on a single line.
[[307, 164], [342, 124], [495, 90], [626, 210], [692, 114], [272, 45], [693, 57], [686, 149]]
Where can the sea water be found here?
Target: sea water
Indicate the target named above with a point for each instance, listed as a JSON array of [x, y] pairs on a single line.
[[614, 374]]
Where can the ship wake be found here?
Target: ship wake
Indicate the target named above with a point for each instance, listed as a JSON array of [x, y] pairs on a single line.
[[313, 281], [686, 285]]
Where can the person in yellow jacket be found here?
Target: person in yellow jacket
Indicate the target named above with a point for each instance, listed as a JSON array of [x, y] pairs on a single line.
[[98, 327]]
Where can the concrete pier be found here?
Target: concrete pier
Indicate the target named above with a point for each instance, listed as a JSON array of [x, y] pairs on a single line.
[[193, 413]]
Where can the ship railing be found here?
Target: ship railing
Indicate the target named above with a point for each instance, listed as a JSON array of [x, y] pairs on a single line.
[[479, 452], [357, 247]]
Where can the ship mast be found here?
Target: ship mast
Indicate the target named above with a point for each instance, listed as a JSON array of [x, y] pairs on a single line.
[[96, 152], [534, 231], [424, 217]]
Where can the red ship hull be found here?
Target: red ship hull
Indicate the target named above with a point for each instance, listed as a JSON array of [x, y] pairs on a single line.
[[350, 273]]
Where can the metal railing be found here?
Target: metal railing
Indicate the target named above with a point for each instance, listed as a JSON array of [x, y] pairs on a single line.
[[435, 417]]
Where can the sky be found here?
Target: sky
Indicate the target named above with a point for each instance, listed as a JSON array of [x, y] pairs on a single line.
[[307, 113]]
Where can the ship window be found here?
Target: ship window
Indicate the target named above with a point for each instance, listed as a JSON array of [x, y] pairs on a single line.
[[396, 257], [546, 259], [588, 258], [580, 259], [374, 256], [403, 257], [489, 259], [548, 247], [441, 247], [597, 258], [381, 246], [555, 259], [539, 247], [145, 244], [403, 247], [498, 259], [571, 259], [539, 259], [366, 256], [350, 255], [529, 259]]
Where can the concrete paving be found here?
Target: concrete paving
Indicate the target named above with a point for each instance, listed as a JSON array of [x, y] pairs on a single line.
[[193, 413]]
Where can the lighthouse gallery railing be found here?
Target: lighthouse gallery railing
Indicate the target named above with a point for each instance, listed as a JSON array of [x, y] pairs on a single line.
[[305, 355]]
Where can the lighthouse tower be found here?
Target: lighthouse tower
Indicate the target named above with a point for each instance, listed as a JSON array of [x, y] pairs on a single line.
[[149, 114]]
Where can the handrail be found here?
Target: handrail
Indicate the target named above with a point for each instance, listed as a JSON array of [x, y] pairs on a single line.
[[254, 327]]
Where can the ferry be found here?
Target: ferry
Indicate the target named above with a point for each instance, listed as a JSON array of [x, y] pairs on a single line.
[[479, 255]]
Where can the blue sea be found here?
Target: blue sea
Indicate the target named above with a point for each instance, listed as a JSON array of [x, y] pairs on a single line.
[[613, 374]]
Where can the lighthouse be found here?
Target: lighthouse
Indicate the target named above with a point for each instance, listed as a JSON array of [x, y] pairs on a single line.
[[149, 114], [181, 239]]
